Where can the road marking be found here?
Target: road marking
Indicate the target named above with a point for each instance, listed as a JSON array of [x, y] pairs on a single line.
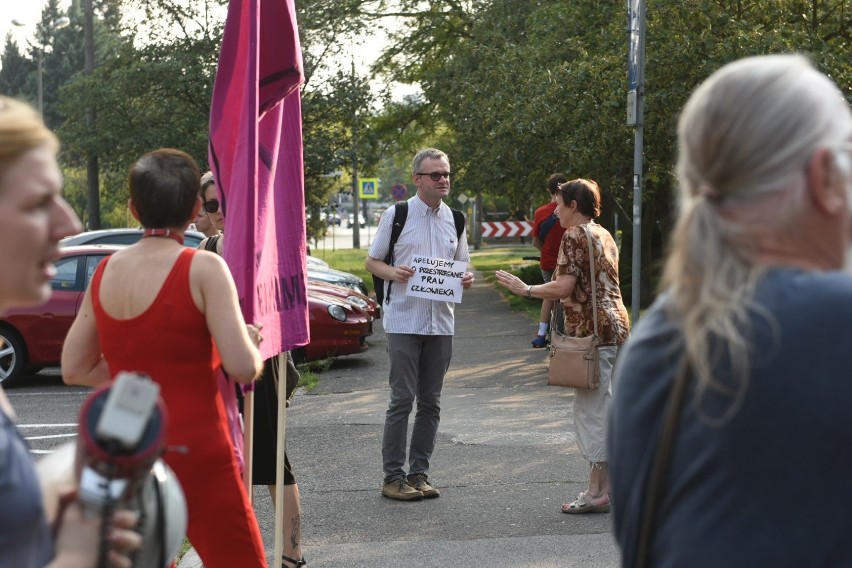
[[70, 425], [76, 393], [28, 438]]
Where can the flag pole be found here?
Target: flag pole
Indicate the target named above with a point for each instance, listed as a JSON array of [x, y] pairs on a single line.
[[279, 457], [248, 442]]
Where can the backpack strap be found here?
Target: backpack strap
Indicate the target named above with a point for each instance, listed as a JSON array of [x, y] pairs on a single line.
[[400, 215], [458, 218], [545, 227]]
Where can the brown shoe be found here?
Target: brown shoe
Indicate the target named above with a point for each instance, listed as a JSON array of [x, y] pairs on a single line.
[[418, 482], [400, 490]]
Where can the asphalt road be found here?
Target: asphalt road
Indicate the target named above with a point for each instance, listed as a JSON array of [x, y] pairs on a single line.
[[505, 461], [505, 458]]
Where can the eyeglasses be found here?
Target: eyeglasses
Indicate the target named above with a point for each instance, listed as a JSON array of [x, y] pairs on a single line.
[[211, 206], [436, 176]]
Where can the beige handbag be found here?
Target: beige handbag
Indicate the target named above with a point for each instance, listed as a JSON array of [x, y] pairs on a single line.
[[574, 360]]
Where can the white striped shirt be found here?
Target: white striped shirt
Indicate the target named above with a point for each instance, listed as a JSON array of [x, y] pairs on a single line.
[[427, 232]]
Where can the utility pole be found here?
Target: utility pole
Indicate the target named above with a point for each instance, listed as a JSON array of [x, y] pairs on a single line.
[[356, 234], [92, 169], [635, 118]]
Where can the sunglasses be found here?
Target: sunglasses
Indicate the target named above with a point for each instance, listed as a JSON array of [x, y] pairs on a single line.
[[436, 176], [211, 206]]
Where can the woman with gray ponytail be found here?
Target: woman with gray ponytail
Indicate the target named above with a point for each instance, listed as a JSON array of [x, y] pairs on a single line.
[[755, 316]]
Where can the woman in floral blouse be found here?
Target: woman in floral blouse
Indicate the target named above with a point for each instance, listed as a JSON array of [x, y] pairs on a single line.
[[578, 204]]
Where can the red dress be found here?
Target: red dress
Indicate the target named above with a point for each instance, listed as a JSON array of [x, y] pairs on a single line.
[[170, 342]]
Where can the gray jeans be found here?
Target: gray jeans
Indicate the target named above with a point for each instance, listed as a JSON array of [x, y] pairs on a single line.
[[418, 364]]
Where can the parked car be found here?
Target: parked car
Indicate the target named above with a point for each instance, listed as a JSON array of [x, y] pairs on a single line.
[[332, 276], [336, 327], [331, 217], [350, 222], [122, 237], [354, 297], [316, 262], [32, 338]]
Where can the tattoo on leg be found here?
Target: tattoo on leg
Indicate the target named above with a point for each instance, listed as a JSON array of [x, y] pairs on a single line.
[[296, 535]]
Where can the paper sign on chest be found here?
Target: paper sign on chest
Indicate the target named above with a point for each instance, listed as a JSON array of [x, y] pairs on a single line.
[[437, 279]]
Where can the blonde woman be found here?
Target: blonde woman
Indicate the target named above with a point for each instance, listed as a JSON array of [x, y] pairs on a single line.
[[33, 217], [757, 310]]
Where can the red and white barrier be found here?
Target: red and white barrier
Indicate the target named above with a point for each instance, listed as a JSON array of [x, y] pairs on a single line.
[[500, 229]]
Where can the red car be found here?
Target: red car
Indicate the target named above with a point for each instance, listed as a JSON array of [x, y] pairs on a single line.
[[32, 338], [337, 328], [354, 297]]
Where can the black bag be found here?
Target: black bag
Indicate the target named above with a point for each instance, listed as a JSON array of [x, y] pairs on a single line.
[[400, 215]]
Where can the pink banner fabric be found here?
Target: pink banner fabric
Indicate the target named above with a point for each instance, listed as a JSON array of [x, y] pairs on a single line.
[[256, 158]]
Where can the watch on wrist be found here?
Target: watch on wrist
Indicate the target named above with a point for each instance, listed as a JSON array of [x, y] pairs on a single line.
[[529, 291]]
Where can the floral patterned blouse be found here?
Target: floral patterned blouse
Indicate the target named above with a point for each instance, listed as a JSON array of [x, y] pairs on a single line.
[[613, 322]]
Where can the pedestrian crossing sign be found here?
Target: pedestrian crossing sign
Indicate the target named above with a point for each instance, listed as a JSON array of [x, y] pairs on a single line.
[[368, 188]]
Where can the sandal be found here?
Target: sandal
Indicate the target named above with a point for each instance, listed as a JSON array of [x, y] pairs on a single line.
[[580, 506], [293, 561]]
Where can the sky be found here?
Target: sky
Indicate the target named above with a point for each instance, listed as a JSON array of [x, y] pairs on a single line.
[[28, 12]]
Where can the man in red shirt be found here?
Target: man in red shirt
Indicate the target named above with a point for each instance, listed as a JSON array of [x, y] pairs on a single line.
[[547, 234]]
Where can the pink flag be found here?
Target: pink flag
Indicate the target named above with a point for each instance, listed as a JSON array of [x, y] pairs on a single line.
[[256, 157]]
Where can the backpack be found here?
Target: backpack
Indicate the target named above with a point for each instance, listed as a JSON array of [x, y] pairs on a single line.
[[400, 215], [545, 227]]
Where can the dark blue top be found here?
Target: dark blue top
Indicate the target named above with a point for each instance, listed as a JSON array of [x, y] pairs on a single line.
[[24, 535], [772, 485]]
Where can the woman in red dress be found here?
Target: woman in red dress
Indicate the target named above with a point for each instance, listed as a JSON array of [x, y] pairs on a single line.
[[158, 308]]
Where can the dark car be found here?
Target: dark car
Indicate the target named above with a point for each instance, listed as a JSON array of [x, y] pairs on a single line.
[[122, 237], [32, 338], [332, 276]]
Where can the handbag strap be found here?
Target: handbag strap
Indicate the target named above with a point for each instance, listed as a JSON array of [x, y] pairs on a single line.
[[592, 277], [660, 465]]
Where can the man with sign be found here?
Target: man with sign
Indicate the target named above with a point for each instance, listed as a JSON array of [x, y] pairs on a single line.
[[419, 323]]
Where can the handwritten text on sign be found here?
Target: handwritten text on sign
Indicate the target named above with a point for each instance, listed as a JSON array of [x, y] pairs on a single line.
[[437, 279]]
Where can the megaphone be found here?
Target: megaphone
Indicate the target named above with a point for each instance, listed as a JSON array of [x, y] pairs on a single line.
[[122, 434]]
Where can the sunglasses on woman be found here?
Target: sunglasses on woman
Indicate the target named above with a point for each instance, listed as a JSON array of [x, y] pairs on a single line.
[[211, 206]]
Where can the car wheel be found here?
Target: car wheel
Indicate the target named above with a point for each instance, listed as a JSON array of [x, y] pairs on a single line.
[[12, 356]]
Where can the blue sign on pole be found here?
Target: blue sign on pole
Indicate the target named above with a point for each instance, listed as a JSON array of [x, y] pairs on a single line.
[[399, 192]]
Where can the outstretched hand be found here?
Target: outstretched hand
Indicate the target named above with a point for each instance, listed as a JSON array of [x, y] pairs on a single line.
[[511, 282]]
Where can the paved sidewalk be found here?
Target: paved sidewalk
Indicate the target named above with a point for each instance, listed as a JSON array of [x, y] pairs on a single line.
[[505, 461]]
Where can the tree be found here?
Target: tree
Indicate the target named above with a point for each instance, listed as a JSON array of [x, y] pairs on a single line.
[[521, 89], [16, 68], [151, 95]]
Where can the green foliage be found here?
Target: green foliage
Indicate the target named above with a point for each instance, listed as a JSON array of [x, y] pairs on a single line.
[[348, 260], [524, 89], [513, 90], [309, 373], [16, 69]]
